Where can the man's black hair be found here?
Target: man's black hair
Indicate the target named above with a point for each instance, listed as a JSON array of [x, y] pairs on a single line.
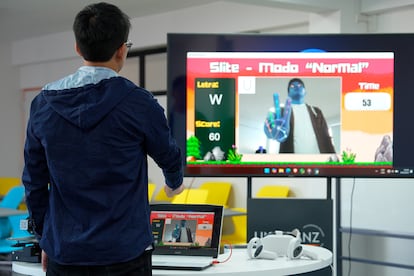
[[295, 80], [100, 29]]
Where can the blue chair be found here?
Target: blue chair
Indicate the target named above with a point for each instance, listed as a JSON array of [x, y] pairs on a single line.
[[12, 200], [9, 245]]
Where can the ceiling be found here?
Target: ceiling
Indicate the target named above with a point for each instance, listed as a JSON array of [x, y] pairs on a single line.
[[20, 19]]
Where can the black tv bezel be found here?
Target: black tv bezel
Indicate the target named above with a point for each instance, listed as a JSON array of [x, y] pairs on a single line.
[[178, 44]]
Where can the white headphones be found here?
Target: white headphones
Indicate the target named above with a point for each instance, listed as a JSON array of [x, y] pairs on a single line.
[[279, 243], [255, 250], [295, 250]]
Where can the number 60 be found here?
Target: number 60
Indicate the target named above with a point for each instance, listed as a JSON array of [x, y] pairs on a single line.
[[214, 136]]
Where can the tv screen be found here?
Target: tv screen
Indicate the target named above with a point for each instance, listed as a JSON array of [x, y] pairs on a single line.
[[321, 105]]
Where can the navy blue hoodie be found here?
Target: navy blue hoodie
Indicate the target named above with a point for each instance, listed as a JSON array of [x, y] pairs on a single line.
[[86, 170]]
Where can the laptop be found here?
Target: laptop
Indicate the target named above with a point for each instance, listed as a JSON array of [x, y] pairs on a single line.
[[186, 236]]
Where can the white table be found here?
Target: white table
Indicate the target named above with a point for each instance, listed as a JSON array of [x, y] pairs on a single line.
[[238, 264]]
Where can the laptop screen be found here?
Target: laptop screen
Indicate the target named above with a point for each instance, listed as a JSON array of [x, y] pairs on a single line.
[[186, 229]]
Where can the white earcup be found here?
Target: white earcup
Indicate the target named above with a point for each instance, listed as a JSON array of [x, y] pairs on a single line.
[[252, 245], [294, 249], [255, 250], [260, 253]]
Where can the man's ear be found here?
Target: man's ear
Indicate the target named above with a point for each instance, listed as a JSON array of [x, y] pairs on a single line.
[[77, 49], [119, 54]]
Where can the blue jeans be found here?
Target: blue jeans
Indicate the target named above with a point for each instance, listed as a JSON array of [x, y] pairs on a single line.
[[140, 266]]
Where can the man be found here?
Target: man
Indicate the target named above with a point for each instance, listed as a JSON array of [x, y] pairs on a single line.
[[301, 128], [182, 233], [85, 173]]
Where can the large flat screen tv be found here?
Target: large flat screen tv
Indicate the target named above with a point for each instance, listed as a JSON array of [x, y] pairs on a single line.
[[325, 105]]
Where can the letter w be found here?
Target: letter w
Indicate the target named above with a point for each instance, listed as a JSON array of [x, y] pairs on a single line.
[[215, 99]]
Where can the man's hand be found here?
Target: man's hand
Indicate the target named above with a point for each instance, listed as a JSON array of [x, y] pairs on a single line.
[[170, 192], [44, 261], [276, 126]]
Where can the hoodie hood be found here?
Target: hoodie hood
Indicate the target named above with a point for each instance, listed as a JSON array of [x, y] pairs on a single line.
[[86, 106]]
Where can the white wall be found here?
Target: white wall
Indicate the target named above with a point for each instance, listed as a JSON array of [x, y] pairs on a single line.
[[33, 62], [11, 128]]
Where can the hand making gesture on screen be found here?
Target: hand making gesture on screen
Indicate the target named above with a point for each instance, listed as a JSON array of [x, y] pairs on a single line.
[[276, 126]]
